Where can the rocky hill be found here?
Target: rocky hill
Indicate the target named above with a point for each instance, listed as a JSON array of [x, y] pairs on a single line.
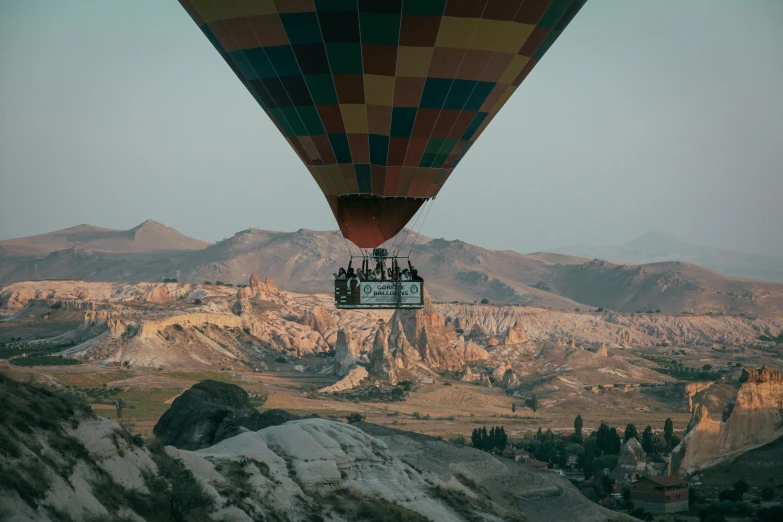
[[305, 260], [69, 464], [755, 418]]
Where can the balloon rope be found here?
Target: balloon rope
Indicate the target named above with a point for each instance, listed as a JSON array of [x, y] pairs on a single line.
[[427, 213], [407, 230], [404, 233]]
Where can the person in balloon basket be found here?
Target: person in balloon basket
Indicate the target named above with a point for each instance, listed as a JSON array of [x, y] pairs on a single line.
[[340, 275]]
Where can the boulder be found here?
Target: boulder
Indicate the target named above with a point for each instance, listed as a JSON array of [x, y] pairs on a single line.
[[210, 412]]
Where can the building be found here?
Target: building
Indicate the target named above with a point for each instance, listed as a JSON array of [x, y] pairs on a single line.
[[516, 454], [667, 494], [533, 463]]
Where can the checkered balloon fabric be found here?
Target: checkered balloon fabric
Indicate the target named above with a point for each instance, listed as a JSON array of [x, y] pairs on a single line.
[[381, 99]]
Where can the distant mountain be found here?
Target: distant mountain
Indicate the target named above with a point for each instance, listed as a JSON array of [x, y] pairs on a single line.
[[656, 246], [148, 237], [305, 260]]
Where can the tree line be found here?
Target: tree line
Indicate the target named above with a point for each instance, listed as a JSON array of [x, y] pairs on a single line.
[[496, 438]]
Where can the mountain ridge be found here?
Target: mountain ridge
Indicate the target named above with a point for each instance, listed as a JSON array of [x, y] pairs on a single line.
[[659, 246], [147, 237], [304, 261]]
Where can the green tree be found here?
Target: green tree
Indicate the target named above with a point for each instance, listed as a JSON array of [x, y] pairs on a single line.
[[532, 403], [741, 487], [578, 426], [586, 458], [118, 406], [668, 432], [607, 440], [513, 407], [647, 439], [630, 431]]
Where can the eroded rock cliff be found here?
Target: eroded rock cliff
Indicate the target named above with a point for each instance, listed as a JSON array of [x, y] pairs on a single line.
[[756, 419]]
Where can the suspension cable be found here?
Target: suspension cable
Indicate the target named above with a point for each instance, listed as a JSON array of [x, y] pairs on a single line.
[[404, 233], [426, 214]]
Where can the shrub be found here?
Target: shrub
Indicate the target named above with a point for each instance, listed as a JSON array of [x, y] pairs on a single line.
[[485, 301], [353, 418], [180, 488], [257, 400]]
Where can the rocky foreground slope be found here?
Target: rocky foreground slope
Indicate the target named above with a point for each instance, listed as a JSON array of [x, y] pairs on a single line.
[[59, 462]]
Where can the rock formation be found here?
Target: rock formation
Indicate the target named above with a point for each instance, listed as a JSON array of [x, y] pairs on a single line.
[[270, 286], [501, 370], [157, 294], [382, 362], [692, 388], [510, 379], [242, 304], [349, 382], [209, 412], [425, 332], [515, 335], [631, 462], [602, 351], [319, 320], [255, 284], [467, 376], [756, 419], [346, 351], [763, 375]]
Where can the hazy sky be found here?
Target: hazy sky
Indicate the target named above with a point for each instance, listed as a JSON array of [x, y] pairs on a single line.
[[664, 115]]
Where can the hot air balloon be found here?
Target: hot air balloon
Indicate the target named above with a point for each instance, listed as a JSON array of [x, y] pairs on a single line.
[[381, 99]]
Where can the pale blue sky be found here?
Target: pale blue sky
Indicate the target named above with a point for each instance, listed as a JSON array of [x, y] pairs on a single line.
[[664, 115]]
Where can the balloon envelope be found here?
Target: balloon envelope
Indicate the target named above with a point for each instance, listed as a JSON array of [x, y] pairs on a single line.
[[381, 99]]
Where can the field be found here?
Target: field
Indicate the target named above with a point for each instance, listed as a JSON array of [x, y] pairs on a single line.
[[447, 409]]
